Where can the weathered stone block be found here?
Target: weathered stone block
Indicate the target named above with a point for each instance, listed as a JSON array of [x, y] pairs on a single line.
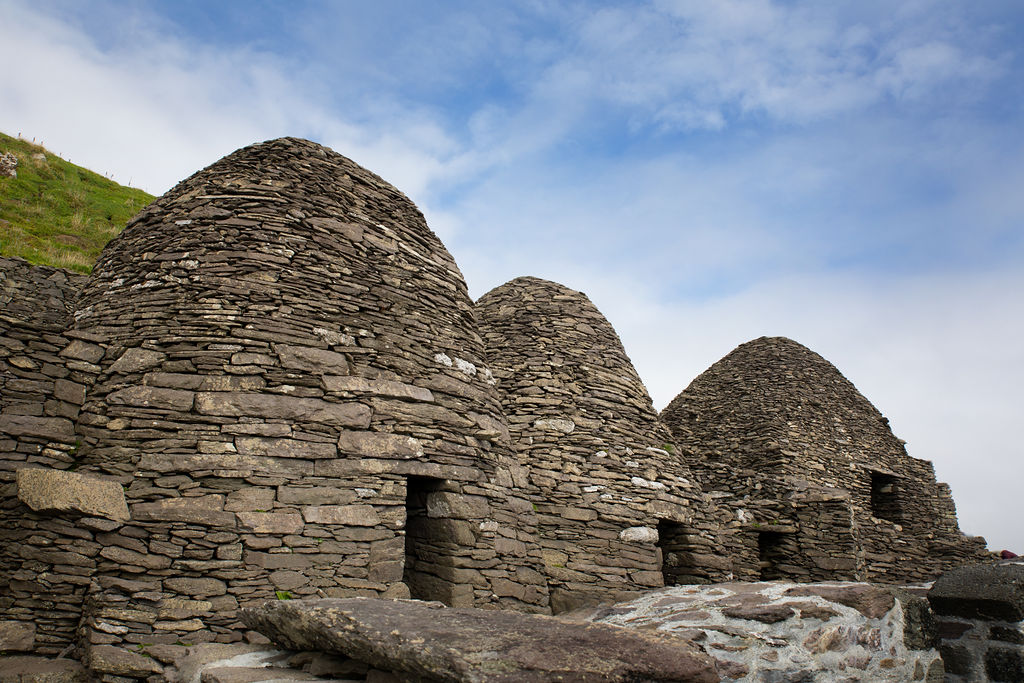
[[311, 359], [131, 558], [196, 587], [284, 448], [561, 425], [51, 428], [639, 534], [61, 491], [109, 659], [446, 504], [177, 608], [17, 636], [312, 495], [160, 398], [226, 464], [80, 350], [69, 391], [377, 387], [984, 591], [208, 510], [272, 406], [378, 445], [271, 522], [345, 515], [249, 499], [137, 360], [871, 601]]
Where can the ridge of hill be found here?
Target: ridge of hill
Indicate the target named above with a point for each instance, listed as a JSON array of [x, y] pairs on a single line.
[[55, 213]]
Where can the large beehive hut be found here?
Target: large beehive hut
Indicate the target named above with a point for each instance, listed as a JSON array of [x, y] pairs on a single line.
[[617, 509], [293, 393], [813, 470]]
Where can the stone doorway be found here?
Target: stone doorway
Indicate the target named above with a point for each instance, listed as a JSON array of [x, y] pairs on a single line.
[[885, 502], [676, 551], [771, 554], [425, 542]]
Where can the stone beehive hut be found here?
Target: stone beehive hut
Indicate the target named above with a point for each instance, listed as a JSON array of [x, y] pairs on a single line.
[[274, 384], [289, 385], [813, 472], [617, 509]]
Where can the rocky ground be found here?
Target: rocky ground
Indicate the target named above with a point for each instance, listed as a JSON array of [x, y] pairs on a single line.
[[772, 631]]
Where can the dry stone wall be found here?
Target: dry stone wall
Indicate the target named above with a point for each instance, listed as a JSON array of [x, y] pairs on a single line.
[[44, 371], [275, 385], [813, 472], [46, 559], [618, 510]]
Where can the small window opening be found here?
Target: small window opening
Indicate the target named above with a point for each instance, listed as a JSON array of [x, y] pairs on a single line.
[[425, 542], [884, 497], [676, 554], [771, 553]]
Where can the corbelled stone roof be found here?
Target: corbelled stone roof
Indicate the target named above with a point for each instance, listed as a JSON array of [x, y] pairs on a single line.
[[774, 394], [602, 466]]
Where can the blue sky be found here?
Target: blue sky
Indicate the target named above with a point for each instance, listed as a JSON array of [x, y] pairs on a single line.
[[847, 174]]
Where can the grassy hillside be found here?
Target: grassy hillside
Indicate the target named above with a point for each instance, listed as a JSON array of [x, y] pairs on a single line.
[[58, 214]]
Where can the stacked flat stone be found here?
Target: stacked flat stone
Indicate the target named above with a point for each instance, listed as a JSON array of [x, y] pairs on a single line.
[[812, 469], [45, 560], [285, 346], [602, 471], [43, 370]]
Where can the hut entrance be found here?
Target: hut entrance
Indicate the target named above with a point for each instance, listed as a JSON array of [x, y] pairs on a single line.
[[884, 501], [771, 553], [425, 542], [675, 551]]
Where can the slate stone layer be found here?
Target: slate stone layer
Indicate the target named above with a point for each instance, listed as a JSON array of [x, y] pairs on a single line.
[[274, 385], [819, 486], [603, 473], [281, 344]]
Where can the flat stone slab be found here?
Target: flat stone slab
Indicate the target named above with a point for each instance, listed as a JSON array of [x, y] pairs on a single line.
[[778, 631], [61, 491], [981, 591], [41, 670], [435, 642]]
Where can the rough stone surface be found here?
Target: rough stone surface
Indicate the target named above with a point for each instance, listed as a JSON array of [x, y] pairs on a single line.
[[41, 670], [772, 632], [278, 366], [59, 491], [986, 591], [618, 510], [17, 636], [815, 482], [438, 643], [980, 622]]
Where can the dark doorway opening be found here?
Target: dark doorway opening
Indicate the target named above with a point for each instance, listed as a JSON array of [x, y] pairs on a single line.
[[425, 542], [771, 553], [885, 497], [676, 554]]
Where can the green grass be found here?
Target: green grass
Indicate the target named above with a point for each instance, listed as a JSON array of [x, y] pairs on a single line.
[[58, 214]]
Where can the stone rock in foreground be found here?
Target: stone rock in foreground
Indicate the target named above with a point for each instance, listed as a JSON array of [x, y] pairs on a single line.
[[446, 644], [981, 591]]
